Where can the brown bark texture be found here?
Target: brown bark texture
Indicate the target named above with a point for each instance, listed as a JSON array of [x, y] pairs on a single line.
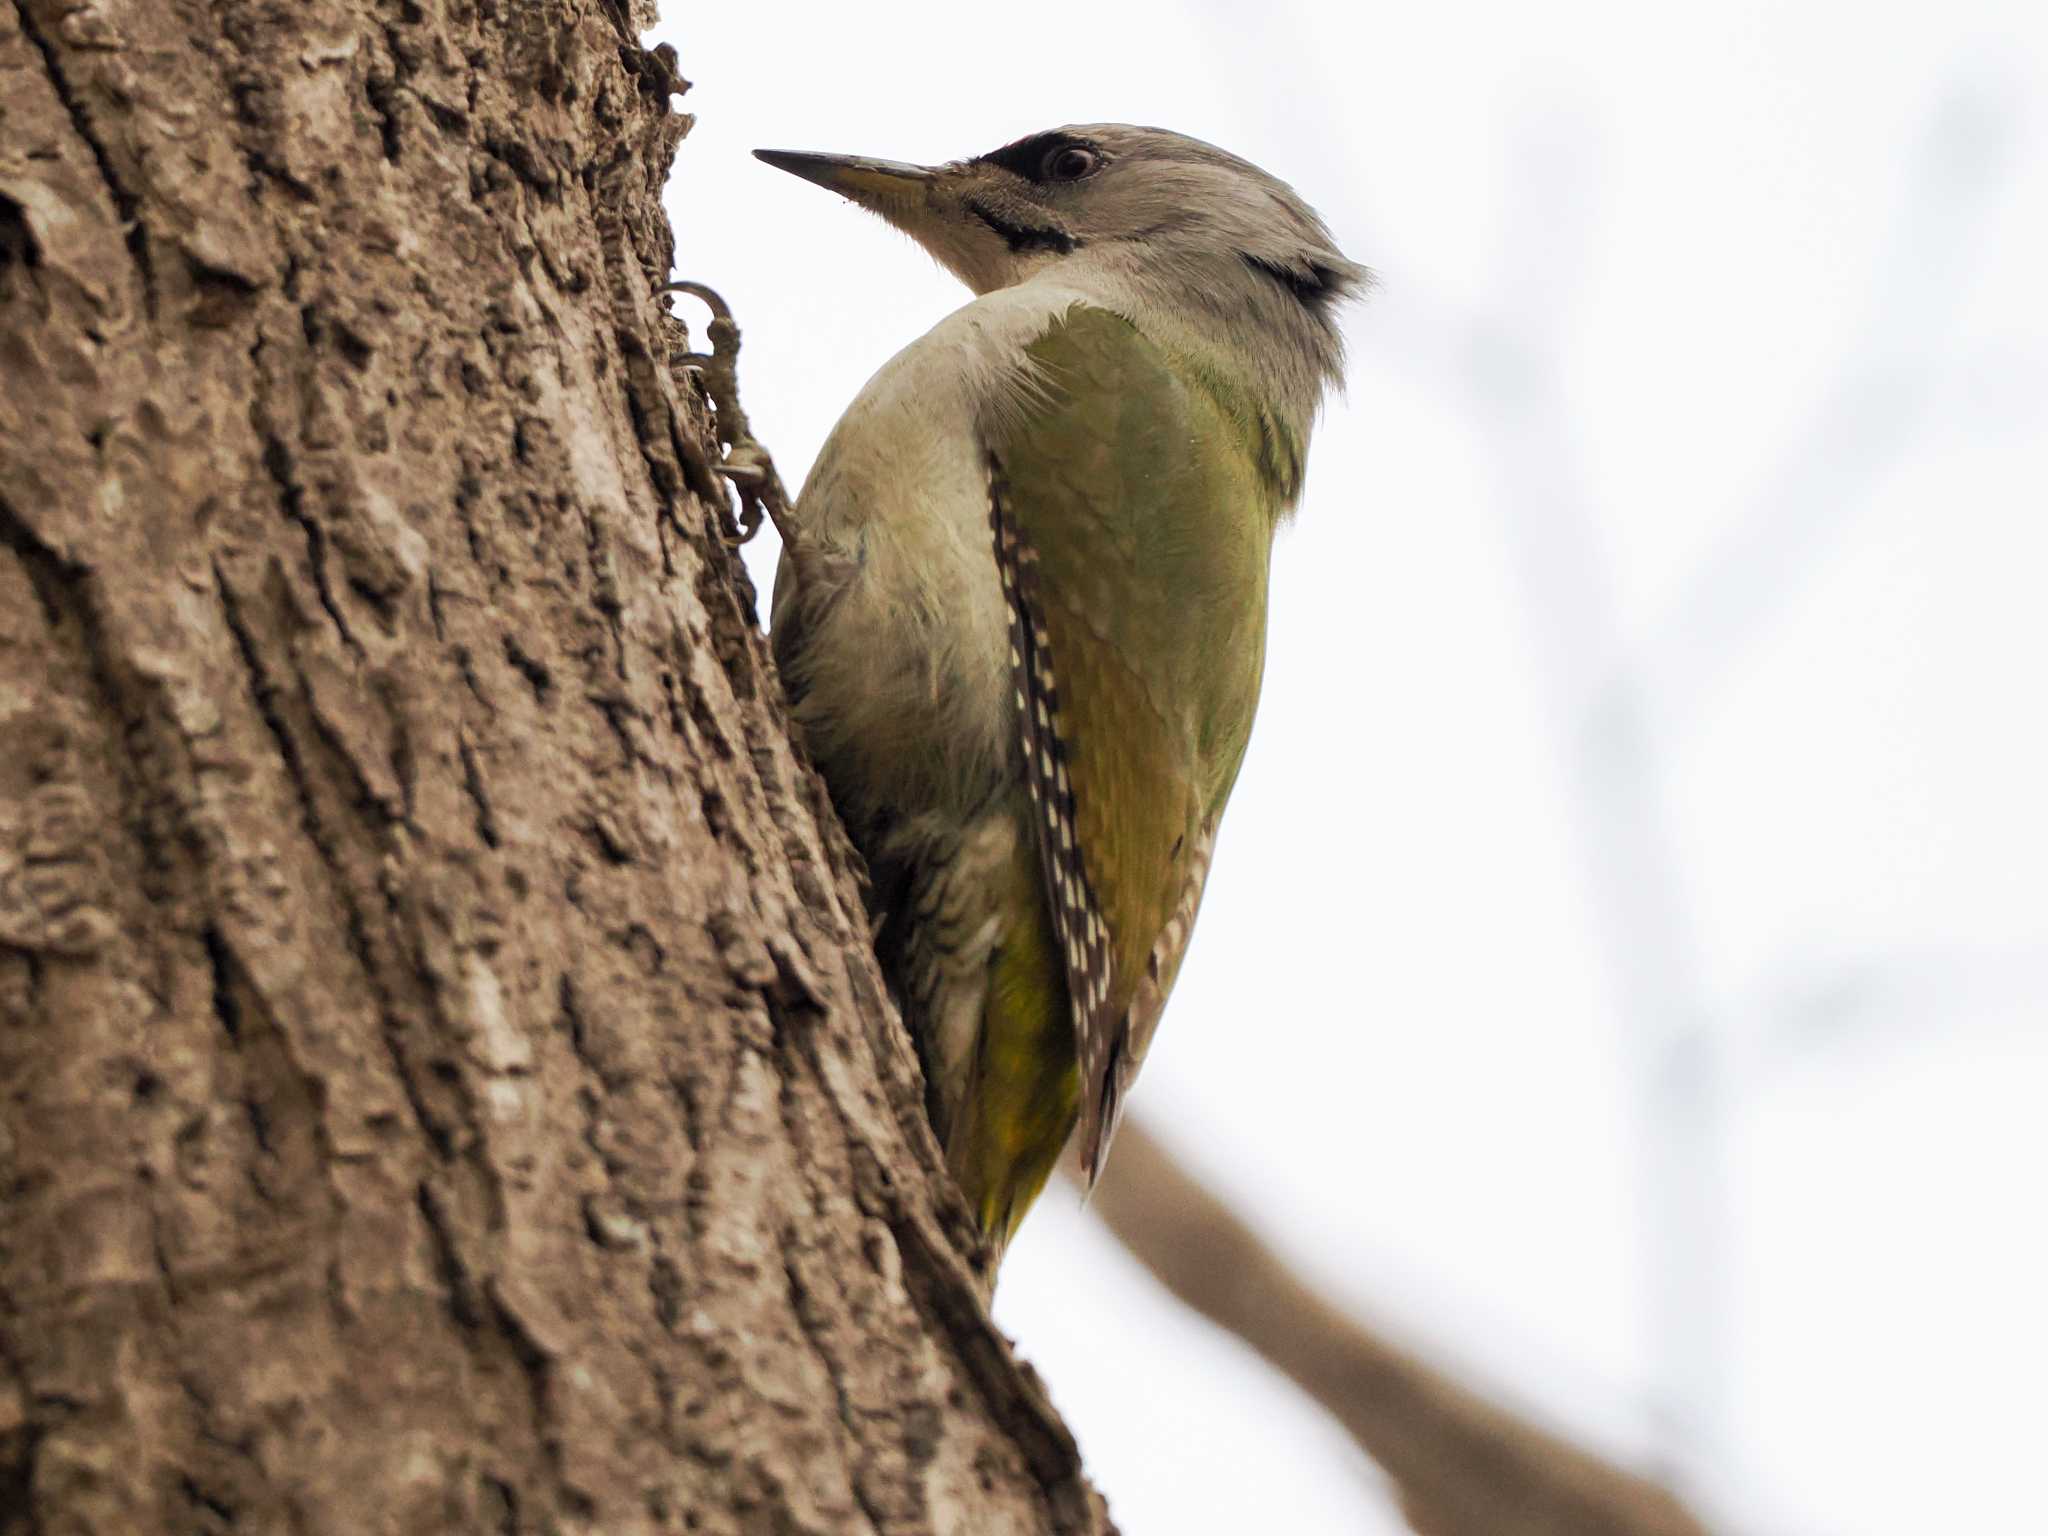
[[444, 1085]]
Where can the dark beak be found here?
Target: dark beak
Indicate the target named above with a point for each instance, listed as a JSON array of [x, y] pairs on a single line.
[[881, 185]]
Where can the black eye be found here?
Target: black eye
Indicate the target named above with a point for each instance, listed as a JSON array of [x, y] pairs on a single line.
[[1071, 162]]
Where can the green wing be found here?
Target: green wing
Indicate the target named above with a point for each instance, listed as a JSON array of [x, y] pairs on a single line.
[[1133, 515]]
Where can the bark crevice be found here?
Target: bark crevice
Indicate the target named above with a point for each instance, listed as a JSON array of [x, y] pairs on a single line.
[[128, 205]]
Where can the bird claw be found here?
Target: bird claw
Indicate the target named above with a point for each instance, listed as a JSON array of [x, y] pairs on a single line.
[[758, 486], [746, 464]]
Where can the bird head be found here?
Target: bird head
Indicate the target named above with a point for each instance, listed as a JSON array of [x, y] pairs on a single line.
[[1180, 226], [1002, 217]]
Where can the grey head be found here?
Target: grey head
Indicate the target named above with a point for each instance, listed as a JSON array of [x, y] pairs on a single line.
[[1179, 232]]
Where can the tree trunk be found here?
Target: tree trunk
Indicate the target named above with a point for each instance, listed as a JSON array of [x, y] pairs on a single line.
[[444, 1084]]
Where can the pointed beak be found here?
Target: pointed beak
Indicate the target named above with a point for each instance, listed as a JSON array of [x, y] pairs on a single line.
[[888, 187]]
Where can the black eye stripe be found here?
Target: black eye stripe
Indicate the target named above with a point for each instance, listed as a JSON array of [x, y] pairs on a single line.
[[1029, 157]]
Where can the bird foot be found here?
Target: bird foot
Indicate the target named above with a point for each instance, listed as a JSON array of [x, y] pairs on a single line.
[[746, 464]]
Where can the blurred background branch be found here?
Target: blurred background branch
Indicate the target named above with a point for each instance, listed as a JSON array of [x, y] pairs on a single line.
[[1461, 1465], [1622, 706]]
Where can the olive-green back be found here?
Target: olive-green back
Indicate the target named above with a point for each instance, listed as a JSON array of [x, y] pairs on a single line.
[[1148, 491]]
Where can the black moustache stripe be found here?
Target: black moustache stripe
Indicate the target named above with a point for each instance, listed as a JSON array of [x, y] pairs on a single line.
[[1020, 238]]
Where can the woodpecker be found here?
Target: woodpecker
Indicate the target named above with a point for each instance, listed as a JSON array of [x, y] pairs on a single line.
[[1021, 607]]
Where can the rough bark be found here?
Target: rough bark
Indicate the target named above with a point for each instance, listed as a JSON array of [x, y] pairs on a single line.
[[443, 1081]]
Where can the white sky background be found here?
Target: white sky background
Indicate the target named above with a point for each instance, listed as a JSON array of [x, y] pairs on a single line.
[[1625, 970]]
